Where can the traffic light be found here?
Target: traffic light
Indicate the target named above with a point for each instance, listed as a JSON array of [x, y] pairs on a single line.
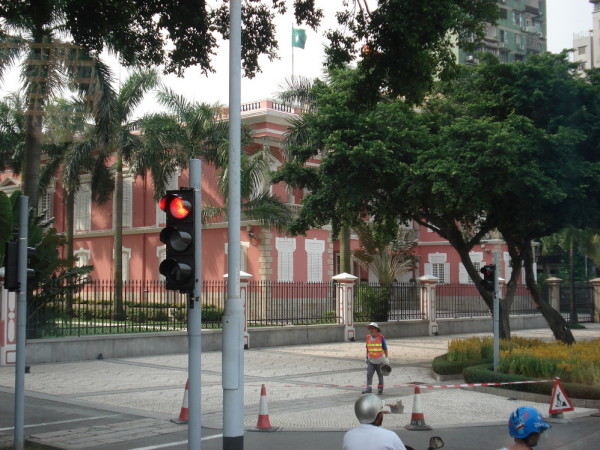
[[178, 236], [11, 265], [488, 272]]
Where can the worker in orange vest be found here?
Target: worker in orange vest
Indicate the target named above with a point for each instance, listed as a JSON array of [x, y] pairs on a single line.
[[377, 355]]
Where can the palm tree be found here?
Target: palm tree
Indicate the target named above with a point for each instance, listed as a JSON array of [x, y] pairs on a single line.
[[194, 130], [126, 145], [49, 66], [12, 131], [387, 251], [73, 147]]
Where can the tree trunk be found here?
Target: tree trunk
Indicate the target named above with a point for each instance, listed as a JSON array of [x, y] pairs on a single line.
[[33, 150], [119, 313], [345, 260], [70, 225], [555, 320], [572, 302]]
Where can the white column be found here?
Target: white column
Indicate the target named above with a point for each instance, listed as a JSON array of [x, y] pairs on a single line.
[[8, 328], [344, 296], [428, 306]]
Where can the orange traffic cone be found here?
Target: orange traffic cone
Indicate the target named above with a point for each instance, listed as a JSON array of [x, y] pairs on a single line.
[[263, 423], [417, 420], [184, 414]]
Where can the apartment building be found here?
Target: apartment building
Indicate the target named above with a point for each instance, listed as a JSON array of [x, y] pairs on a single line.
[[521, 31]]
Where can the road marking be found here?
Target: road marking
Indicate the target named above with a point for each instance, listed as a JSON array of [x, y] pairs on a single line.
[[173, 444], [62, 421]]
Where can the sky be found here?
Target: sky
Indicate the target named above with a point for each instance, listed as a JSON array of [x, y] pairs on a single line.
[[565, 17]]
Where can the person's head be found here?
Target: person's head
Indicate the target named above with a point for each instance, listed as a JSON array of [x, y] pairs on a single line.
[[369, 409], [374, 328], [527, 424]]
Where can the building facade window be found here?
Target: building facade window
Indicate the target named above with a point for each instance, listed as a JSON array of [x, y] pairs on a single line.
[[285, 258], [82, 258], [127, 203], [314, 260], [438, 267], [46, 204], [477, 260], [125, 259], [83, 208], [244, 246]]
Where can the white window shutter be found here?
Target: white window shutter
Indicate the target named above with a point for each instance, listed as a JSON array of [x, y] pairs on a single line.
[[285, 258], [428, 269], [127, 202], [446, 273], [314, 259], [82, 208], [463, 276]]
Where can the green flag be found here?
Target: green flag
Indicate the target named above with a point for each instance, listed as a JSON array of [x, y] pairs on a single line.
[[298, 37]]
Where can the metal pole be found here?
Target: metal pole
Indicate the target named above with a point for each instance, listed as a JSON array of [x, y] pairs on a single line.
[[233, 343], [496, 311], [195, 316], [19, 435]]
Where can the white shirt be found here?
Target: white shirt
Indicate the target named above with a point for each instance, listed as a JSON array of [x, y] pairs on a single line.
[[370, 437]]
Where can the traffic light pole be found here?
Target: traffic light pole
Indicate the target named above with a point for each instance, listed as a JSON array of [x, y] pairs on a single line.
[[496, 311], [195, 315], [19, 434], [233, 343]]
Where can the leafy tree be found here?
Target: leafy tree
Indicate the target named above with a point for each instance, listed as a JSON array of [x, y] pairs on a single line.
[[477, 157], [403, 45]]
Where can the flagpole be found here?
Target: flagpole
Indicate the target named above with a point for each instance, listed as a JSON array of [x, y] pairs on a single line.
[[293, 51]]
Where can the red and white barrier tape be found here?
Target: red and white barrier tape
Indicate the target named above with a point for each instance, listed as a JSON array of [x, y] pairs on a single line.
[[422, 386]]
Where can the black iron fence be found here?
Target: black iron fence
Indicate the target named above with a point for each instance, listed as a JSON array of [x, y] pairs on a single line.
[[464, 300], [583, 298], [398, 301], [148, 306]]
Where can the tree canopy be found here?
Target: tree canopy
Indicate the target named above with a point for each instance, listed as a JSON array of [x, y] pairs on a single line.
[[486, 151], [139, 29]]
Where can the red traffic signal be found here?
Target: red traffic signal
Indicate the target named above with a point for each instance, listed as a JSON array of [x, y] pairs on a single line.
[[178, 267], [175, 206], [489, 274]]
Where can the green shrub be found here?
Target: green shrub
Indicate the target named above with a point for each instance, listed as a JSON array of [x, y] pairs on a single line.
[[211, 313], [485, 374], [442, 366], [328, 317]]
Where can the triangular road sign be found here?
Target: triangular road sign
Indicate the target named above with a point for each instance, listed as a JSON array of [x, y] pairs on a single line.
[[559, 401]]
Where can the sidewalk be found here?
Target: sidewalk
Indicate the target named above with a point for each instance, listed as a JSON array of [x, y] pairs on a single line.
[[309, 388]]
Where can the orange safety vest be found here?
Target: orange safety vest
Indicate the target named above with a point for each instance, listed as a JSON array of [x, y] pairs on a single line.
[[375, 348]]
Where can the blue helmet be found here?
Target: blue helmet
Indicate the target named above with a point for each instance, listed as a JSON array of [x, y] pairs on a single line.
[[526, 420]]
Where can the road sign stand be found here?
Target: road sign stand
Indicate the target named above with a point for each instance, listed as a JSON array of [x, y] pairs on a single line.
[[559, 403]]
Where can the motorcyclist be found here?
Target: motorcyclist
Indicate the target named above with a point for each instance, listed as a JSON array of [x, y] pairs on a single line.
[[525, 425], [370, 435]]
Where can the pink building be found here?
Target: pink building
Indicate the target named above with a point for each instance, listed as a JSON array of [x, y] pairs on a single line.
[[265, 253]]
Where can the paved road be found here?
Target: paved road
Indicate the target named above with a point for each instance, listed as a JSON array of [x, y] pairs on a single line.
[[127, 403]]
